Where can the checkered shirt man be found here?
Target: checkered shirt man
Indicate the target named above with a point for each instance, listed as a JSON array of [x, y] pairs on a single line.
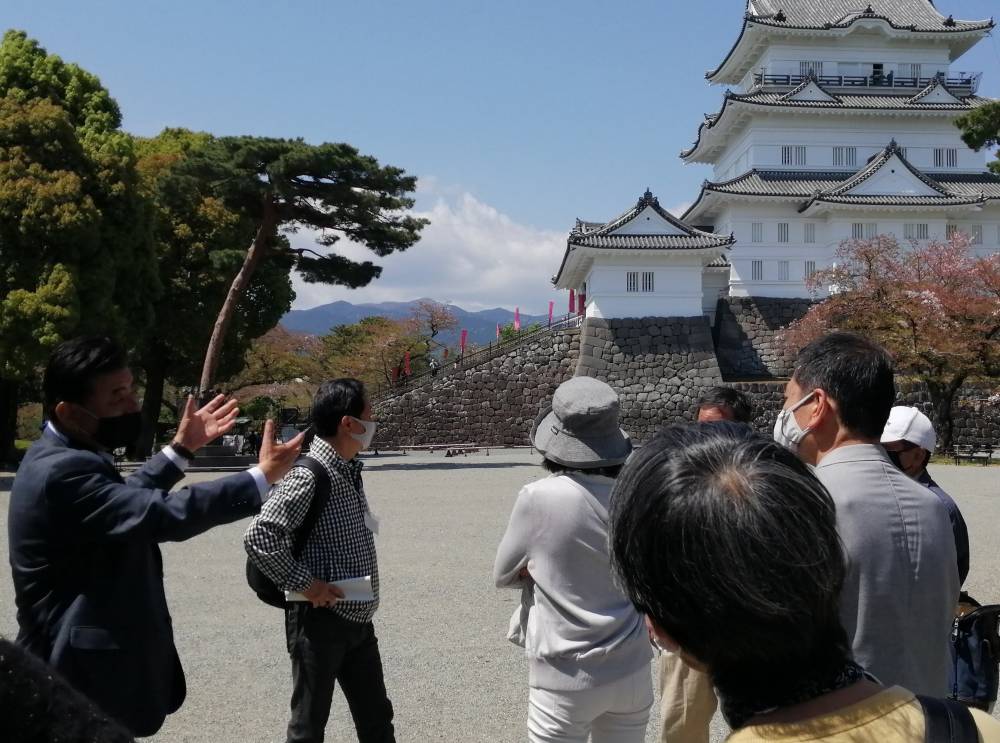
[[340, 546]]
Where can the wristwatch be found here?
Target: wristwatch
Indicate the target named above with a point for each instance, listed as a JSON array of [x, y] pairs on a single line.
[[182, 451]]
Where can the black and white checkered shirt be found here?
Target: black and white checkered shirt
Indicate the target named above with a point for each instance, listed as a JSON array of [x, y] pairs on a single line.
[[341, 545]]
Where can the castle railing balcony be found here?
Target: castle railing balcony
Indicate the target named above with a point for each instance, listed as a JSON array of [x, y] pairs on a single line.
[[961, 82]]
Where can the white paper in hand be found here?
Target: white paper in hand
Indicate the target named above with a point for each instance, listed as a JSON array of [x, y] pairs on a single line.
[[355, 589]]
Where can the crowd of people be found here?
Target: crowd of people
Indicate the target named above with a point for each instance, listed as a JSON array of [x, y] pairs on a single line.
[[804, 583]]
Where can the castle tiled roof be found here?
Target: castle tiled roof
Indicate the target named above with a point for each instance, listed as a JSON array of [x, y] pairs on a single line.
[[904, 16], [831, 188], [845, 103], [911, 15], [586, 237]]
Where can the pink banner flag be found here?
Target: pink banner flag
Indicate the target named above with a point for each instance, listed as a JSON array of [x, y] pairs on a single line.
[[498, 331], [517, 318], [582, 304], [465, 338], [552, 306], [572, 301], [406, 363]]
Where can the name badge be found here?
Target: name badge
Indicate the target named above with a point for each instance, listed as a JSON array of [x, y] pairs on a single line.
[[371, 521]]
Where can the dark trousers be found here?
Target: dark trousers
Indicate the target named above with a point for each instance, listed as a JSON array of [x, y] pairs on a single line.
[[325, 649]]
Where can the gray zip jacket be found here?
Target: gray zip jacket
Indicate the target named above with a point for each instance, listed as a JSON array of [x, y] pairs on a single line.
[[581, 632], [902, 586]]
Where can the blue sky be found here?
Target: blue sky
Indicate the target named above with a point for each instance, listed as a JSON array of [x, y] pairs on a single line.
[[519, 116]]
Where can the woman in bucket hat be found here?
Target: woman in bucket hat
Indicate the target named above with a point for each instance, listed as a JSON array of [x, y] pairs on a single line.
[[588, 648]]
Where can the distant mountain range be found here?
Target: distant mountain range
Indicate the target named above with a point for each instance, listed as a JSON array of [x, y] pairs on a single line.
[[482, 325]]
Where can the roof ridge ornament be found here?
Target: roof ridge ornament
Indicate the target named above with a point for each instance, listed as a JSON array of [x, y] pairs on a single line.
[[869, 10], [648, 200], [950, 21]]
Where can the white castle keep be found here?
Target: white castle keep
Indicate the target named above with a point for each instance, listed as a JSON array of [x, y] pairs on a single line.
[[840, 124]]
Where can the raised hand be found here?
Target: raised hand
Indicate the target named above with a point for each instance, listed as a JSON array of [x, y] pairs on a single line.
[[198, 427], [277, 459]]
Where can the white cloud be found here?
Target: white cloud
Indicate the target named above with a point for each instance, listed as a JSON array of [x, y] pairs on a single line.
[[470, 254]]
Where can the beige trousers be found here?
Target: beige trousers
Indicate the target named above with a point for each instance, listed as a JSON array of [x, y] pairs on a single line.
[[687, 701]]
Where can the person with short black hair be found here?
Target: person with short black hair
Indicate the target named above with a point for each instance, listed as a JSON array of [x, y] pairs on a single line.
[[902, 583], [329, 639], [724, 404], [588, 650], [753, 600], [87, 570]]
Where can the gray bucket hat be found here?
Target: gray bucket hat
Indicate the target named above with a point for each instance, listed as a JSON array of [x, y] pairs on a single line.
[[580, 429]]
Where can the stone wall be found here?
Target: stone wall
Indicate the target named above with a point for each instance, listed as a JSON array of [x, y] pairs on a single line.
[[659, 367], [492, 404], [975, 421], [746, 335]]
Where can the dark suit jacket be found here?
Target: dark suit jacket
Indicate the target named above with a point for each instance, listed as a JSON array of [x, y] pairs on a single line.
[[88, 575]]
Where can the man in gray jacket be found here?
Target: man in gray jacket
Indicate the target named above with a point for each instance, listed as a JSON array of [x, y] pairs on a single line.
[[902, 585]]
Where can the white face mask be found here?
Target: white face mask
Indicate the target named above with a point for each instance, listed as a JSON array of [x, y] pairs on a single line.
[[787, 430], [365, 439]]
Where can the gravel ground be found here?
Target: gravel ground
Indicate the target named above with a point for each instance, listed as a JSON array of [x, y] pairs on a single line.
[[451, 674]]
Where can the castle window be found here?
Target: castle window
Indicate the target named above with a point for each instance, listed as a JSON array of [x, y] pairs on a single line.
[[864, 230], [757, 270], [845, 157], [810, 269], [782, 270], [816, 68], [910, 70], [916, 231], [975, 234], [632, 281], [647, 281], [945, 157], [793, 155], [782, 232], [757, 228], [810, 232]]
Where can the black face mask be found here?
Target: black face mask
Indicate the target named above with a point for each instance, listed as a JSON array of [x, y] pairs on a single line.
[[119, 431]]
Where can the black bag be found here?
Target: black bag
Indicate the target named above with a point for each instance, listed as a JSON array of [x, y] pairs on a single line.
[[259, 583], [975, 654], [947, 721]]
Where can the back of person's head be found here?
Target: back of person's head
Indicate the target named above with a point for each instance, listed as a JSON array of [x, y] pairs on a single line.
[[733, 404], [856, 373], [75, 365], [334, 400], [39, 705], [728, 543]]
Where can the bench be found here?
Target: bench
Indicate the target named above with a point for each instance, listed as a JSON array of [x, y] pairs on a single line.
[[972, 453]]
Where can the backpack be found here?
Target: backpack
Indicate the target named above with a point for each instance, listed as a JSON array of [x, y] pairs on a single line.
[[947, 721], [259, 583], [975, 654]]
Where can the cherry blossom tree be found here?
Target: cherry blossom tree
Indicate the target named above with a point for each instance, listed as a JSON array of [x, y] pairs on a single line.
[[935, 306]]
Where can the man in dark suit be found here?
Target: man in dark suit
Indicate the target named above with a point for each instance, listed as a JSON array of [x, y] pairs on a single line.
[[83, 542]]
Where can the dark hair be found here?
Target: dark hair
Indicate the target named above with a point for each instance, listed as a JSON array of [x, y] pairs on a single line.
[[727, 397], [334, 400], [857, 373], [39, 704], [555, 468], [74, 366], [729, 543]]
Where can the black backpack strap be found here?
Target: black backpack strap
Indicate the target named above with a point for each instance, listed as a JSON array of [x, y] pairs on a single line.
[[948, 721], [320, 497]]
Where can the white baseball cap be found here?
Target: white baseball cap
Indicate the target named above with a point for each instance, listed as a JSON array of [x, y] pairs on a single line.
[[909, 424]]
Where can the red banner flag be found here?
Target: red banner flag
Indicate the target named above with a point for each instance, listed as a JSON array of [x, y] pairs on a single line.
[[406, 363], [583, 304], [552, 306], [517, 318], [465, 338], [572, 301], [446, 353]]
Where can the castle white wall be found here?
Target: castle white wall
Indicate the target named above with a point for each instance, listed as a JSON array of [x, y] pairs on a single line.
[[677, 287], [759, 144]]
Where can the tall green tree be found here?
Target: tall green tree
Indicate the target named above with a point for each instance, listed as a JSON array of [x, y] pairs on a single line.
[[75, 244], [981, 128], [198, 241], [286, 185]]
